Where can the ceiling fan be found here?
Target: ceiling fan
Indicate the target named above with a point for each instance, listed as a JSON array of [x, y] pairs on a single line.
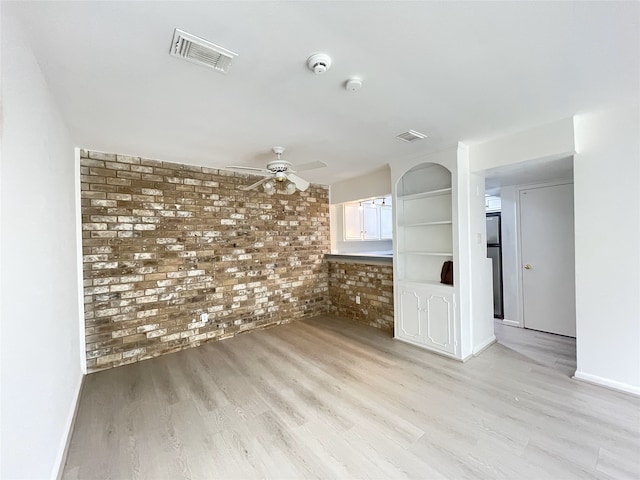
[[280, 171]]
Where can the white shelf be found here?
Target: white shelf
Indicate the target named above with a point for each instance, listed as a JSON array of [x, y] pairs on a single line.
[[430, 254], [432, 193], [417, 282], [427, 224]]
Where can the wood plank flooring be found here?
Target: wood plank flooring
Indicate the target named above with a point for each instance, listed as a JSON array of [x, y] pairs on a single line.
[[328, 398], [555, 351]]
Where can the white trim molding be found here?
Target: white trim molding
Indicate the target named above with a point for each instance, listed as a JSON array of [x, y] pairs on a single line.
[[607, 383], [512, 323], [63, 449], [79, 265], [484, 345]]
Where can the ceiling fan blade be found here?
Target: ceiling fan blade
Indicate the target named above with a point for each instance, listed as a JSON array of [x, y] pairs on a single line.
[[259, 171], [301, 183], [309, 166], [258, 183]]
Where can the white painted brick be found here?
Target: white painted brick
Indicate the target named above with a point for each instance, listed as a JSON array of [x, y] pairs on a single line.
[[144, 226], [147, 328], [134, 352], [157, 333], [168, 338]]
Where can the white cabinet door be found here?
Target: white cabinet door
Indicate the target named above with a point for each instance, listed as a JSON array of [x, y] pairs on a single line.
[[410, 321], [427, 318], [386, 222], [440, 330], [370, 223], [352, 222]]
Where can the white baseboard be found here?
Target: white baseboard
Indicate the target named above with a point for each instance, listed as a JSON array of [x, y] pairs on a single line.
[[61, 458], [511, 323], [605, 382], [432, 350], [484, 345]]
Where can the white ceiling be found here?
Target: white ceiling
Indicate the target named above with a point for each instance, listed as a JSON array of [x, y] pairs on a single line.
[[453, 70]]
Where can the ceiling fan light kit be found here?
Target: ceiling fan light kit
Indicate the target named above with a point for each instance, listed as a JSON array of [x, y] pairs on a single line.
[[269, 187], [290, 188]]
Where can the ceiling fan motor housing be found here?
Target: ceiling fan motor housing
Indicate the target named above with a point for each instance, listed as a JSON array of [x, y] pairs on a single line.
[[278, 166]]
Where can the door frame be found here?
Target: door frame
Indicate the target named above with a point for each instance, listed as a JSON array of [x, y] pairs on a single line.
[[520, 287]]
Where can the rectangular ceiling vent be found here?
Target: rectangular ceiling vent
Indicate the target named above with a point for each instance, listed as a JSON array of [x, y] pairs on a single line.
[[411, 136], [200, 51]]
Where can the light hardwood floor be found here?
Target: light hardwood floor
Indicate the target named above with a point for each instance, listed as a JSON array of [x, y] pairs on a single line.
[[555, 351], [328, 398]]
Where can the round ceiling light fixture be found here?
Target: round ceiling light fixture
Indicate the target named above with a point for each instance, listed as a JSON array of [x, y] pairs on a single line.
[[319, 63]]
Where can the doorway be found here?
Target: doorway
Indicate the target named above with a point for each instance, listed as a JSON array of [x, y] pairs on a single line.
[[527, 181]]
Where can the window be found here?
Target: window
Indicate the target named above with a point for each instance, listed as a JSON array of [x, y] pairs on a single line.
[[368, 220]]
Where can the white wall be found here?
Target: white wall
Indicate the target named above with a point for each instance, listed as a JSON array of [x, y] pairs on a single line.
[[510, 258], [40, 359], [607, 229], [482, 281], [553, 140], [374, 184], [475, 285]]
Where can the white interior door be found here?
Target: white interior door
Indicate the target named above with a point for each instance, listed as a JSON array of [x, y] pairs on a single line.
[[547, 259]]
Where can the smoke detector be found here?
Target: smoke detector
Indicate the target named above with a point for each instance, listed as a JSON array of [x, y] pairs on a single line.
[[198, 50], [353, 84], [319, 63]]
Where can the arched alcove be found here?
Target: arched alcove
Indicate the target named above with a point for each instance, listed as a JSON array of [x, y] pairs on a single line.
[[424, 223]]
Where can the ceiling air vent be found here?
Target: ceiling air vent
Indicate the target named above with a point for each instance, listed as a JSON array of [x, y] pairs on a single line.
[[411, 136], [200, 51]]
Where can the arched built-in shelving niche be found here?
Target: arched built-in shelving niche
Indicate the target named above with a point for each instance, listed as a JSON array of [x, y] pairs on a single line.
[[423, 242], [424, 223]]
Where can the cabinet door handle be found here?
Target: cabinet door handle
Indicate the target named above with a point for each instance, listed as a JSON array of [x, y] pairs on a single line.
[[528, 267]]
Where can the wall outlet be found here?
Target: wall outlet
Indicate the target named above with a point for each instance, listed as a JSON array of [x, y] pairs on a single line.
[[204, 317], [358, 299]]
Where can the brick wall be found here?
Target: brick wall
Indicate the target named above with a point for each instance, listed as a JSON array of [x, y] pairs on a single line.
[[374, 285], [164, 243]]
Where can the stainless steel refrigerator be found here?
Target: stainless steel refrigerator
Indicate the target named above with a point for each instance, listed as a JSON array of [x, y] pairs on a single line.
[[494, 252]]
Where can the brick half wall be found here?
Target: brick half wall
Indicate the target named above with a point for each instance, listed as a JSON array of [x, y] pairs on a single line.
[[372, 283], [164, 243]]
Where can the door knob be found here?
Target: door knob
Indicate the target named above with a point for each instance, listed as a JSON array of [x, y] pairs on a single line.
[[527, 267]]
